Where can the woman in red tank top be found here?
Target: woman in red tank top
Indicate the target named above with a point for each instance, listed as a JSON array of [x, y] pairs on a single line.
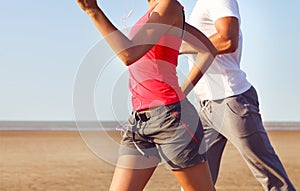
[[164, 126]]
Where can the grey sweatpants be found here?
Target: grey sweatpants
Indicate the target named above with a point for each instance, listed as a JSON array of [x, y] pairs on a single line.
[[237, 119]]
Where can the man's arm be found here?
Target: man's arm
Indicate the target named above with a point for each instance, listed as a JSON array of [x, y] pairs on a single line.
[[226, 40]]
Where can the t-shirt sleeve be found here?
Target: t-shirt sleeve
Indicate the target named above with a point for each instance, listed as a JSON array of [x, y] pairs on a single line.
[[223, 8]]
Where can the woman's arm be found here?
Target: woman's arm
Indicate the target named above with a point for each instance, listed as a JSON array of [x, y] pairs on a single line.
[[163, 17], [198, 42], [186, 48]]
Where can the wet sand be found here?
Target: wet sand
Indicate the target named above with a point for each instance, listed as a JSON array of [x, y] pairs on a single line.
[[61, 161]]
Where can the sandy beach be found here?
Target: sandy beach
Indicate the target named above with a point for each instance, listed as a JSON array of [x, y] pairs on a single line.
[[61, 161]]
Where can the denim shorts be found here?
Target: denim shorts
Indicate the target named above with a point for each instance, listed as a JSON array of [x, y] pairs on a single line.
[[172, 133]]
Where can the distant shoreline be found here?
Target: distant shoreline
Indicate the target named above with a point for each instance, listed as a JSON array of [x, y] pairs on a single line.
[[104, 125]]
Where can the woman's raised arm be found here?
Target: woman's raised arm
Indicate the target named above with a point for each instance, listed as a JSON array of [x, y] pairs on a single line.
[[163, 17]]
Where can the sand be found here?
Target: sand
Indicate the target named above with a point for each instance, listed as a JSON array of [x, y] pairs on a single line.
[[61, 161]]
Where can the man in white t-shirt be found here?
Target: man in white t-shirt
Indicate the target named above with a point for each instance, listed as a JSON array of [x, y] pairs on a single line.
[[228, 103]]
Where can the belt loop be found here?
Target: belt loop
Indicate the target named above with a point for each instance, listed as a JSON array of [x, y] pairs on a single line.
[[143, 116], [136, 117]]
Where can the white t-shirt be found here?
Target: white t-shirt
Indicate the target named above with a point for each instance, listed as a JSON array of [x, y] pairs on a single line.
[[224, 78]]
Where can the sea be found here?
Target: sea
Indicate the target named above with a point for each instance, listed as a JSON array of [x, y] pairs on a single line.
[[107, 126]]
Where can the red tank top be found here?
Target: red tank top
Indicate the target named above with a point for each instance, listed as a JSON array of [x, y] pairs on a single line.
[[153, 78]]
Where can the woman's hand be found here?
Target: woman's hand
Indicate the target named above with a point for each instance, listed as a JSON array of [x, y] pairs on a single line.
[[88, 6]]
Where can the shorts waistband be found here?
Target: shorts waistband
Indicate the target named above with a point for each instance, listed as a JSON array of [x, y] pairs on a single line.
[[145, 114]]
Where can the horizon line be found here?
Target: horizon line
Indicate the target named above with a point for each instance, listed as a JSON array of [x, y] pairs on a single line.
[[107, 125]]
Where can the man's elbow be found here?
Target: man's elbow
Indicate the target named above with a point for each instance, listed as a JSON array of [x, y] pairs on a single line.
[[232, 46], [225, 44]]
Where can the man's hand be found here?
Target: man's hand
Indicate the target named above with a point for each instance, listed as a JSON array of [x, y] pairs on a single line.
[[88, 6]]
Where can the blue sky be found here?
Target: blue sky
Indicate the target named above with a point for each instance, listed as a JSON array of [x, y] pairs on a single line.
[[43, 43]]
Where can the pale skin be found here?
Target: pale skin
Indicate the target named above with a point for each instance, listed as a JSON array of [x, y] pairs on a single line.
[[225, 41], [168, 13]]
